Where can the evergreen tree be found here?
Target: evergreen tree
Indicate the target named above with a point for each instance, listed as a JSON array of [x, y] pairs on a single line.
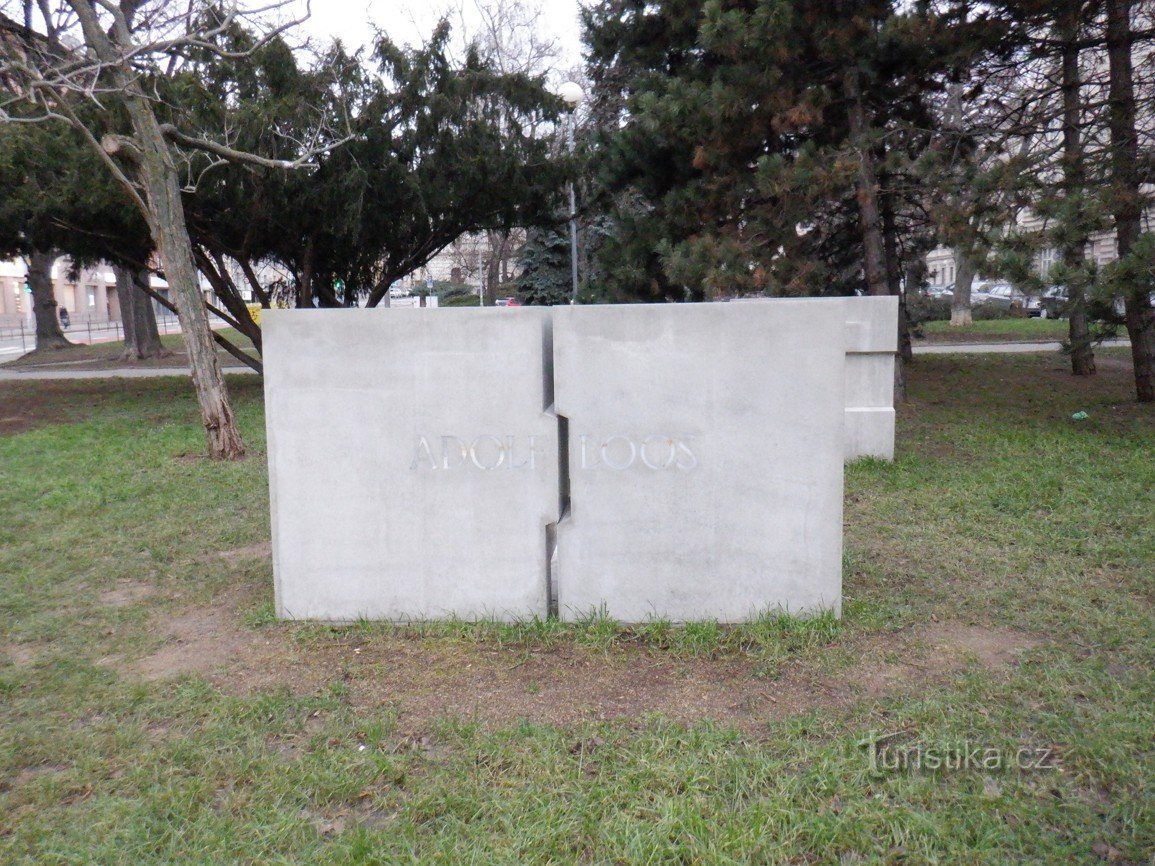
[[433, 149], [545, 276]]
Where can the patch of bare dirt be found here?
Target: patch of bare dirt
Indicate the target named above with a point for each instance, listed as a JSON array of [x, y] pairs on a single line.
[[427, 679], [30, 774], [21, 654], [260, 550], [22, 412], [932, 653], [126, 593], [214, 642], [1108, 363]]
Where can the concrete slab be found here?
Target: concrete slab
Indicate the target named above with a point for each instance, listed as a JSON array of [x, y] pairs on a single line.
[[412, 462], [871, 343], [705, 452]]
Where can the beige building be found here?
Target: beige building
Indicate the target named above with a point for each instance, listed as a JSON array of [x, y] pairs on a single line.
[[1101, 249], [90, 297]]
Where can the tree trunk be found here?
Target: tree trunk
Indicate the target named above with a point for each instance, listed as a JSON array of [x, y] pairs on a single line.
[[874, 257], [141, 337], [495, 241], [165, 214], [870, 218], [1128, 209], [960, 302], [229, 296], [48, 333], [1074, 178], [894, 284], [305, 279], [171, 237]]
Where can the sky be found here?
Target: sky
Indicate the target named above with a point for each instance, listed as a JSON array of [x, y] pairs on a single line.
[[411, 21]]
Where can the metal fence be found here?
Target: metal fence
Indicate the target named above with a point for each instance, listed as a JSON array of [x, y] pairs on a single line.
[[89, 332]]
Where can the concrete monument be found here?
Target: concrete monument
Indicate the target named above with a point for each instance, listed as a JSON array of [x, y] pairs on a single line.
[[681, 461], [871, 341], [705, 459], [412, 462]]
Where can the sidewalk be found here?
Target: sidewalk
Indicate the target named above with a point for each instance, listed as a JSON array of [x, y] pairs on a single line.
[[7, 375], [1002, 348]]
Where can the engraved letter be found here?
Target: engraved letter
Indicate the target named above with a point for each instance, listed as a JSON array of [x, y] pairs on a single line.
[[510, 441], [668, 462], [585, 461], [422, 454], [690, 461], [476, 447], [451, 446], [605, 449]]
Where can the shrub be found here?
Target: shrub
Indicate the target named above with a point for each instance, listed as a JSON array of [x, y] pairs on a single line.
[[923, 309]]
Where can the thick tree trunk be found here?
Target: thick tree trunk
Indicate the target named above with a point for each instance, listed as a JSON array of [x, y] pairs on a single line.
[[1125, 180], [964, 277], [141, 337], [874, 256], [48, 333], [171, 237], [165, 215], [1074, 177]]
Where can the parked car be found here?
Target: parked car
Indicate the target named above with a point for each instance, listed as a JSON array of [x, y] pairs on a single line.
[[990, 292], [507, 302], [1004, 296]]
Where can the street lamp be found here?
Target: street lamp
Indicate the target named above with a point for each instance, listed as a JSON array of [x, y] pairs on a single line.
[[573, 95]]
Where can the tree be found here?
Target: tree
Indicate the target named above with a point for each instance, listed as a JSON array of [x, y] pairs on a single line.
[[58, 200], [48, 333], [511, 41], [767, 147], [545, 277], [1134, 269], [435, 149], [29, 164], [141, 337], [127, 48], [1042, 103]]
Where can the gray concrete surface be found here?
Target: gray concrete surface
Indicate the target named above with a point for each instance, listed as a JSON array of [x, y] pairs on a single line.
[[412, 463], [871, 341], [706, 454]]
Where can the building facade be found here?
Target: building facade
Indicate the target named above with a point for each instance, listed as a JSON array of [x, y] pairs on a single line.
[[88, 296]]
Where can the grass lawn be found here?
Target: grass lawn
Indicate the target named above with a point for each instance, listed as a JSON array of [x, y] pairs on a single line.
[[998, 596], [106, 356], [996, 331]]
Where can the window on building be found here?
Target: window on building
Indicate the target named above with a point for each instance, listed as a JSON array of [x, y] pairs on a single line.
[[1047, 260], [91, 293]]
